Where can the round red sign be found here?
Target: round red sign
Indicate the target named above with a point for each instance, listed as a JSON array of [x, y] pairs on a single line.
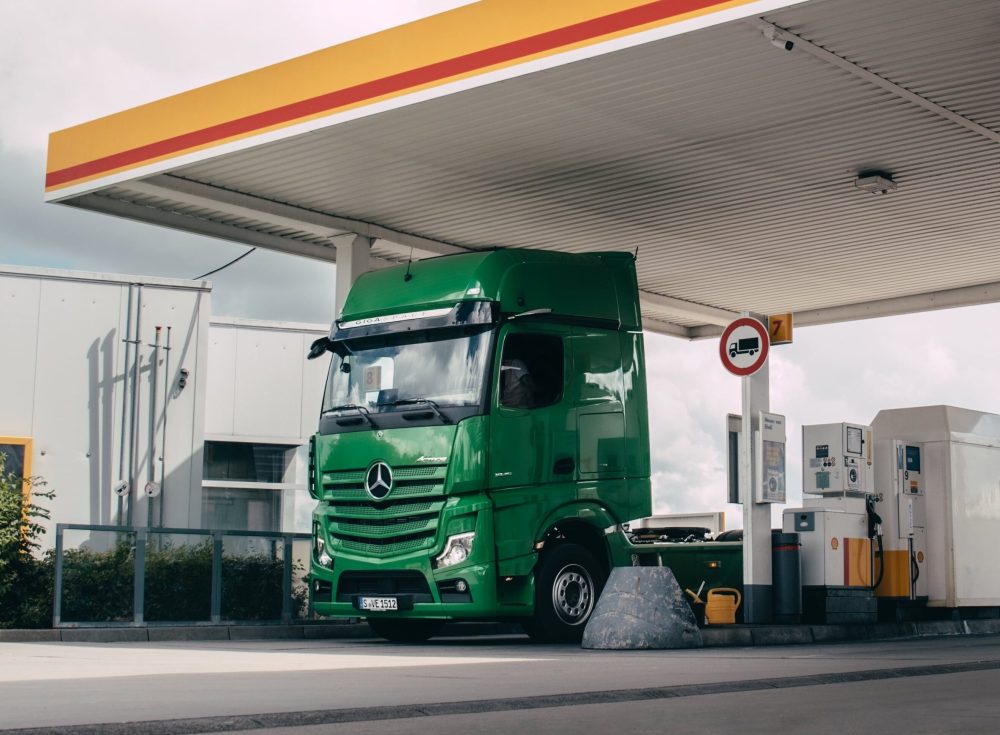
[[743, 346]]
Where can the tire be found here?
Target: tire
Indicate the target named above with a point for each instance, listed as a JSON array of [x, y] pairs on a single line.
[[568, 581], [405, 630], [732, 353]]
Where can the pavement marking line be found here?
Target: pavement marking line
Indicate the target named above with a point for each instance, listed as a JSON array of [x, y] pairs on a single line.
[[267, 721], [41, 662]]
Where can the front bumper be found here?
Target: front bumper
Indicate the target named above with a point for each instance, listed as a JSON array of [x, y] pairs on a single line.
[[423, 590]]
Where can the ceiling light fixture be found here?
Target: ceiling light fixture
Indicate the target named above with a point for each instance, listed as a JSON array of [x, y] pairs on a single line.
[[875, 182]]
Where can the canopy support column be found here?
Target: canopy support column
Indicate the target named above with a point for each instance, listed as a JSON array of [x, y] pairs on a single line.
[[756, 390], [353, 259]]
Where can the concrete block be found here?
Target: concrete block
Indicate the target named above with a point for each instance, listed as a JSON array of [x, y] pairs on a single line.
[[834, 633], [781, 635], [103, 635], [189, 633], [939, 627], [28, 636], [726, 636], [886, 631], [642, 608], [978, 627]]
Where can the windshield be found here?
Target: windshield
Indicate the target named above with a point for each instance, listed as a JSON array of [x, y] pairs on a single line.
[[379, 373]]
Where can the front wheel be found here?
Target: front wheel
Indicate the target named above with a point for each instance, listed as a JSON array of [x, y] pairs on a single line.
[[568, 581], [405, 630]]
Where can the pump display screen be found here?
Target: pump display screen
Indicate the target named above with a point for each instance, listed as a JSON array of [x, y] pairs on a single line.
[[378, 373], [913, 459], [854, 440]]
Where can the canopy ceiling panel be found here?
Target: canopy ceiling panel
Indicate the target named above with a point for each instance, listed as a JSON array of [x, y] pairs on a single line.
[[726, 162]]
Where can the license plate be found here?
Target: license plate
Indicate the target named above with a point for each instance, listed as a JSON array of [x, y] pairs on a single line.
[[378, 603]]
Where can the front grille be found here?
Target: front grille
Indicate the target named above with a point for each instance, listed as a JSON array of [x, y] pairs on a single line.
[[405, 521], [394, 547], [383, 583]]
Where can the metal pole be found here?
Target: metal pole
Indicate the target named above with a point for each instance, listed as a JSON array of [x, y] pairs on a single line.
[[125, 366], [139, 580], [216, 577], [134, 424], [153, 385], [286, 582], [167, 382], [57, 584]]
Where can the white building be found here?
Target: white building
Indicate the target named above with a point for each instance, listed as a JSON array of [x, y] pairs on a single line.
[[214, 427]]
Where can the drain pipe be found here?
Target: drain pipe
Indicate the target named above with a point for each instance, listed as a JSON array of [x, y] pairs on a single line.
[[151, 490], [163, 440], [125, 367], [134, 434]]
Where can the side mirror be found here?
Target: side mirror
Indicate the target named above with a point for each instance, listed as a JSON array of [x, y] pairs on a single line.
[[318, 347]]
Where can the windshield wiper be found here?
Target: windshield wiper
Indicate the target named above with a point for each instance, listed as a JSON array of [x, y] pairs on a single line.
[[423, 402], [354, 407]]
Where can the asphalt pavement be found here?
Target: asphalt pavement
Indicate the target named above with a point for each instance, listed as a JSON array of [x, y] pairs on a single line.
[[497, 684]]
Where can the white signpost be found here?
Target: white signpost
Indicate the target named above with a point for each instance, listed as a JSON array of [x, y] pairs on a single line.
[[743, 349]]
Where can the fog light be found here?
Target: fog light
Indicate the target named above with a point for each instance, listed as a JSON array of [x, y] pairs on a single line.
[[456, 550], [319, 551], [461, 586]]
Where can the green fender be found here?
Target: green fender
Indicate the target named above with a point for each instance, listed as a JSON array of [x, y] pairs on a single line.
[[592, 514]]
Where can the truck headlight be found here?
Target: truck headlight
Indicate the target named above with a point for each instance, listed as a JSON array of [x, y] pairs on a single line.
[[319, 550], [456, 550]]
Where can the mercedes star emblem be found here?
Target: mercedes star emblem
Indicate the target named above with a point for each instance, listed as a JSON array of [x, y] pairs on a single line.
[[378, 481]]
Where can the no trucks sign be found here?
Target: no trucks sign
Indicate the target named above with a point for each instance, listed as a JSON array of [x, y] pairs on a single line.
[[743, 346]]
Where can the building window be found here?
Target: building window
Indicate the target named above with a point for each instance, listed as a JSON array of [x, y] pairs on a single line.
[[247, 462], [241, 509], [17, 450], [249, 486]]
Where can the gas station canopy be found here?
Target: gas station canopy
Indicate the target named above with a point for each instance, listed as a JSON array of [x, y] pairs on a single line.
[[833, 158]]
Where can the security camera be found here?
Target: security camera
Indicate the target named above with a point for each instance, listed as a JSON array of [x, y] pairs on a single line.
[[182, 381], [778, 39], [121, 488]]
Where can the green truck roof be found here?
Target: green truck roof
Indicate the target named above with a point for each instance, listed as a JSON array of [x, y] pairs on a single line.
[[590, 286]]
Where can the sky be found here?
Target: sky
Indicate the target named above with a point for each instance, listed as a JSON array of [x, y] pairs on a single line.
[[69, 62]]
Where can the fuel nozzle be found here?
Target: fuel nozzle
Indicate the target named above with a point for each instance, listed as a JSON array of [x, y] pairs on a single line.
[[874, 519]]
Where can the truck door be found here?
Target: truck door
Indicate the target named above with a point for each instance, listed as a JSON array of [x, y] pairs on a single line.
[[532, 438]]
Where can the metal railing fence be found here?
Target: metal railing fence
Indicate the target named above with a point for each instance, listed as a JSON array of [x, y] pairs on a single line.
[[96, 576]]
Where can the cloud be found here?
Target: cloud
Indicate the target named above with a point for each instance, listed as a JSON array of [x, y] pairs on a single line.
[[69, 62]]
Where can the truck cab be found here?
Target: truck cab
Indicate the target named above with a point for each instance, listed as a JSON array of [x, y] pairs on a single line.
[[483, 431]]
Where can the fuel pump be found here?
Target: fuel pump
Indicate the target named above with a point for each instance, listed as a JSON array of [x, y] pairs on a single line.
[[901, 500], [837, 524]]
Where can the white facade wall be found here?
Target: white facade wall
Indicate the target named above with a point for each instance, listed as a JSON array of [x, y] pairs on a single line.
[[61, 384], [261, 388]]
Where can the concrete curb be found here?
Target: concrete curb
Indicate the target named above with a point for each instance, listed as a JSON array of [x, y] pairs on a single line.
[[784, 635], [714, 636]]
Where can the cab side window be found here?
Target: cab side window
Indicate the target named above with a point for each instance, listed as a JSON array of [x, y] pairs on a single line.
[[531, 370]]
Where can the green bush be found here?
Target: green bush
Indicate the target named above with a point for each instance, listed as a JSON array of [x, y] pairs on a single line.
[[98, 586], [178, 582], [25, 579]]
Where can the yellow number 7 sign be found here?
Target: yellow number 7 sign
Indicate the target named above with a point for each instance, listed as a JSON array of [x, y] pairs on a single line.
[[779, 327]]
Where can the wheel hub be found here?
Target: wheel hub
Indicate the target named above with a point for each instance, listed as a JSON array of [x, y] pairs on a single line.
[[573, 594]]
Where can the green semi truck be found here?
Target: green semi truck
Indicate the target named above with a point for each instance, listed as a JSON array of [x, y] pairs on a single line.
[[483, 436]]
